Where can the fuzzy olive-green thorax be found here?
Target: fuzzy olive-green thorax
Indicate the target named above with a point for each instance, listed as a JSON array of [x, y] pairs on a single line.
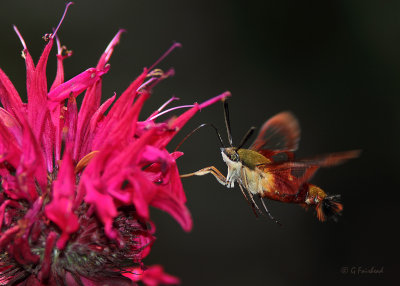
[[247, 157], [251, 158]]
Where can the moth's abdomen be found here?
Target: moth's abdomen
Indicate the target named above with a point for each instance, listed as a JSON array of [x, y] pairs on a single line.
[[278, 195]]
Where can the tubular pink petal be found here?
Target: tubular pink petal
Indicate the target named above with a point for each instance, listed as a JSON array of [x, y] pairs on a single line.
[[37, 93], [58, 118], [71, 117], [45, 270], [109, 50], [127, 156], [30, 66], [213, 100], [167, 202], [152, 276], [91, 102], [76, 85], [176, 154], [9, 96], [122, 130], [23, 253], [3, 206], [99, 114], [104, 206], [127, 97], [140, 203], [9, 149], [12, 125], [59, 79], [84, 136], [60, 209], [48, 141], [84, 142], [175, 183], [8, 235], [32, 160]]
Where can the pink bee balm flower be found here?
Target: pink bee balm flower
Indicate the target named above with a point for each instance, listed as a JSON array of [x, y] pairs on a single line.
[[77, 183]]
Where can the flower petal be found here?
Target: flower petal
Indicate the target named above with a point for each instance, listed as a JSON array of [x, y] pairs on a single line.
[[60, 210], [169, 203], [9, 96], [76, 85], [152, 276], [91, 102], [59, 79]]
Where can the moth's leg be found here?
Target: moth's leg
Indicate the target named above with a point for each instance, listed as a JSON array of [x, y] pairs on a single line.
[[209, 170], [269, 214], [254, 207]]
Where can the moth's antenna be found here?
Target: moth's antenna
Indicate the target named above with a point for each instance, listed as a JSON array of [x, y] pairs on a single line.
[[196, 129], [246, 137], [227, 122]]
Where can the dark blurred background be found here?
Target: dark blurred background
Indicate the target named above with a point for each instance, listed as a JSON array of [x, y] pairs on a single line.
[[335, 64]]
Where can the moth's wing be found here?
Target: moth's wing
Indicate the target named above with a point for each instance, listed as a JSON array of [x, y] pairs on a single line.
[[279, 133], [332, 159], [287, 177]]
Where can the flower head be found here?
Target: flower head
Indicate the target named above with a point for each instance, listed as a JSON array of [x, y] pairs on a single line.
[[77, 183]]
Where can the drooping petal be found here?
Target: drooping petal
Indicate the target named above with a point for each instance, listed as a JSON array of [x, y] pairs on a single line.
[[46, 266], [91, 103], [143, 191], [76, 85], [103, 203], [59, 79], [152, 276], [48, 141], [105, 57], [169, 203], [37, 92], [71, 117], [60, 209], [9, 96], [12, 125], [124, 102], [57, 118], [32, 167], [10, 151], [120, 129], [128, 156], [3, 207]]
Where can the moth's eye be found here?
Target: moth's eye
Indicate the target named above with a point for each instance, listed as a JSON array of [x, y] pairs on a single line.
[[235, 157]]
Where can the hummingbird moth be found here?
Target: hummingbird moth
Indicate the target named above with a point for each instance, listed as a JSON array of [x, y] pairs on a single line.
[[268, 168]]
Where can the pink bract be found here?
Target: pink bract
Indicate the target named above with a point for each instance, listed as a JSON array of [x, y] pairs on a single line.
[[77, 182]]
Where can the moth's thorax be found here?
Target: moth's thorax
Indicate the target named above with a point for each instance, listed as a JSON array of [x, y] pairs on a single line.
[[251, 158]]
